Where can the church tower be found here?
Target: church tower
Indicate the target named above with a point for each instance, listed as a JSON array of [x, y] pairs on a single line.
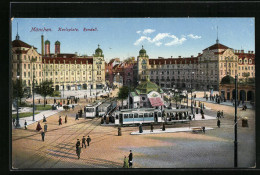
[[142, 62]]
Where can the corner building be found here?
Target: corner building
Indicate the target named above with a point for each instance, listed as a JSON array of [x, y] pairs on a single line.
[[67, 71], [201, 72]]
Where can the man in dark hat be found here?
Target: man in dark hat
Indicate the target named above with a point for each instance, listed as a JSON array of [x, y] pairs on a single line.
[[218, 123], [60, 121], [151, 127], [84, 141], [130, 159], [88, 140], [43, 135]]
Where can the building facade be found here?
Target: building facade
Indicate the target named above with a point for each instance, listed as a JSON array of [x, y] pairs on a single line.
[[66, 71], [201, 72]]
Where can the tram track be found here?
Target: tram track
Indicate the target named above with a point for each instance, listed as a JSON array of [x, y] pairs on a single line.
[[50, 143]]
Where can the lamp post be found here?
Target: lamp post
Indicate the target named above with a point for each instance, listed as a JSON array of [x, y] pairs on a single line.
[[235, 129], [203, 86], [17, 106], [191, 95], [210, 89], [33, 92]]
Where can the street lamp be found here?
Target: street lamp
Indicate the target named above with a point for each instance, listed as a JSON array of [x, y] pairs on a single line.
[[33, 92], [235, 129], [191, 94], [203, 86], [17, 106]]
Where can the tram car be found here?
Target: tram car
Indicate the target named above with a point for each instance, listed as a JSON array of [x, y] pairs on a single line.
[[92, 110], [106, 108], [136, 116]]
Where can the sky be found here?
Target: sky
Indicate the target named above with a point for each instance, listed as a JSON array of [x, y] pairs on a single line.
[[124, 37]]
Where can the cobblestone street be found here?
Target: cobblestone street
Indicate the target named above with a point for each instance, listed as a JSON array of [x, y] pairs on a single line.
[[214, 149]]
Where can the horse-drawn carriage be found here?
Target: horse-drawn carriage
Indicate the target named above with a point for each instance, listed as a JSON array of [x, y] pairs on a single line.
[[66, 107]]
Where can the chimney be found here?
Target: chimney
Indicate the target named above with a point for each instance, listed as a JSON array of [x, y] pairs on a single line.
[[179, 56], [191, 56], [198, 53], [171, 56], [42, 38], [242, 51]]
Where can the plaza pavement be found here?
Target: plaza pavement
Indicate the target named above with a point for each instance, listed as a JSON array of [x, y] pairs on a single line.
[[168, 130], [214, 149]]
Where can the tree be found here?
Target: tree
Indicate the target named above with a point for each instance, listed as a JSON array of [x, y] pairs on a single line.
[[176, 98], [18, 89], [45, 89], [123, 93]]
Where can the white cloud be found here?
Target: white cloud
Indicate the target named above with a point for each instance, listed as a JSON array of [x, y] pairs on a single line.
[[148, 31], [142, 38], [175, 41], [160, 36], [194, 36], [165, 38], [138, 31]]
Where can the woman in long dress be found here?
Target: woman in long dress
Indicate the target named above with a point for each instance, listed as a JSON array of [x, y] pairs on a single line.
[[38, 128]]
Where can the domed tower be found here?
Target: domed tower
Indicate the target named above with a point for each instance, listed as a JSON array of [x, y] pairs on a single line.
[[142, 62], [47, 47], [99, 52], [57, 47]]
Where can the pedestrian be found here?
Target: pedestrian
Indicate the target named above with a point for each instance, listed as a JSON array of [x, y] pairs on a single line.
[[25, 124], [77, 117], [66, 119], [88, 140], [203, 129], [218, 114], [78, 151], [14, 121], [46, 102], [222, 114], [77, 144], [73, 107], [125, 165], [45, 127], [44, 119], [84, 141], [218, 123], [43, 135], [151, 127], [38, 128], [140, 128], [130, 159], [163, 127], [60, 120], [39, 101]]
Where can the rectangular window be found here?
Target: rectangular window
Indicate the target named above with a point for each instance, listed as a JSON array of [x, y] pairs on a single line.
[[24, 74], [135, 115], [24, 66], [29, 66]]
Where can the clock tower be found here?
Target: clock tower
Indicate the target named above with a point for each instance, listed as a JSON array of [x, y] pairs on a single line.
[[143, 63]]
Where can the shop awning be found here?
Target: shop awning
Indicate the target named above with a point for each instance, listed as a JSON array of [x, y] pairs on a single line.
[[156, 101]]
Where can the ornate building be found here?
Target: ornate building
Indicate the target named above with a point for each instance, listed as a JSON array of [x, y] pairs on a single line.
[[201, 72], [68, 71]]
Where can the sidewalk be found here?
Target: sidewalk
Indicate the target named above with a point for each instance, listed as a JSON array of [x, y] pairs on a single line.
[[167, 130], [38, 117], [227, 103]]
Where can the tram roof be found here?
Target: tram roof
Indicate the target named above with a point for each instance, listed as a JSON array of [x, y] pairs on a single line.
[[138, 110], [176, 110]]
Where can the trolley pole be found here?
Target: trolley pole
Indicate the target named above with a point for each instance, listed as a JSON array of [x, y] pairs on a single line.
[[235, 142]]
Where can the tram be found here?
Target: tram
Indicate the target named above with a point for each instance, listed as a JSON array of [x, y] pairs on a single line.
[[176, 114], [140, 115], [92, 110], [106, 108]]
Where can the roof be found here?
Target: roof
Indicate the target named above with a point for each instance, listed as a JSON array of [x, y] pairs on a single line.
[[67, 60], [147, 86], [133, 94], [19, 43], [227, 80], [158, 61], [216, 46]]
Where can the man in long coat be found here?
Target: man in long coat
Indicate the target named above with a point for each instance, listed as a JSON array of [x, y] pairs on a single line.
[[130, 159], [88, 140]]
